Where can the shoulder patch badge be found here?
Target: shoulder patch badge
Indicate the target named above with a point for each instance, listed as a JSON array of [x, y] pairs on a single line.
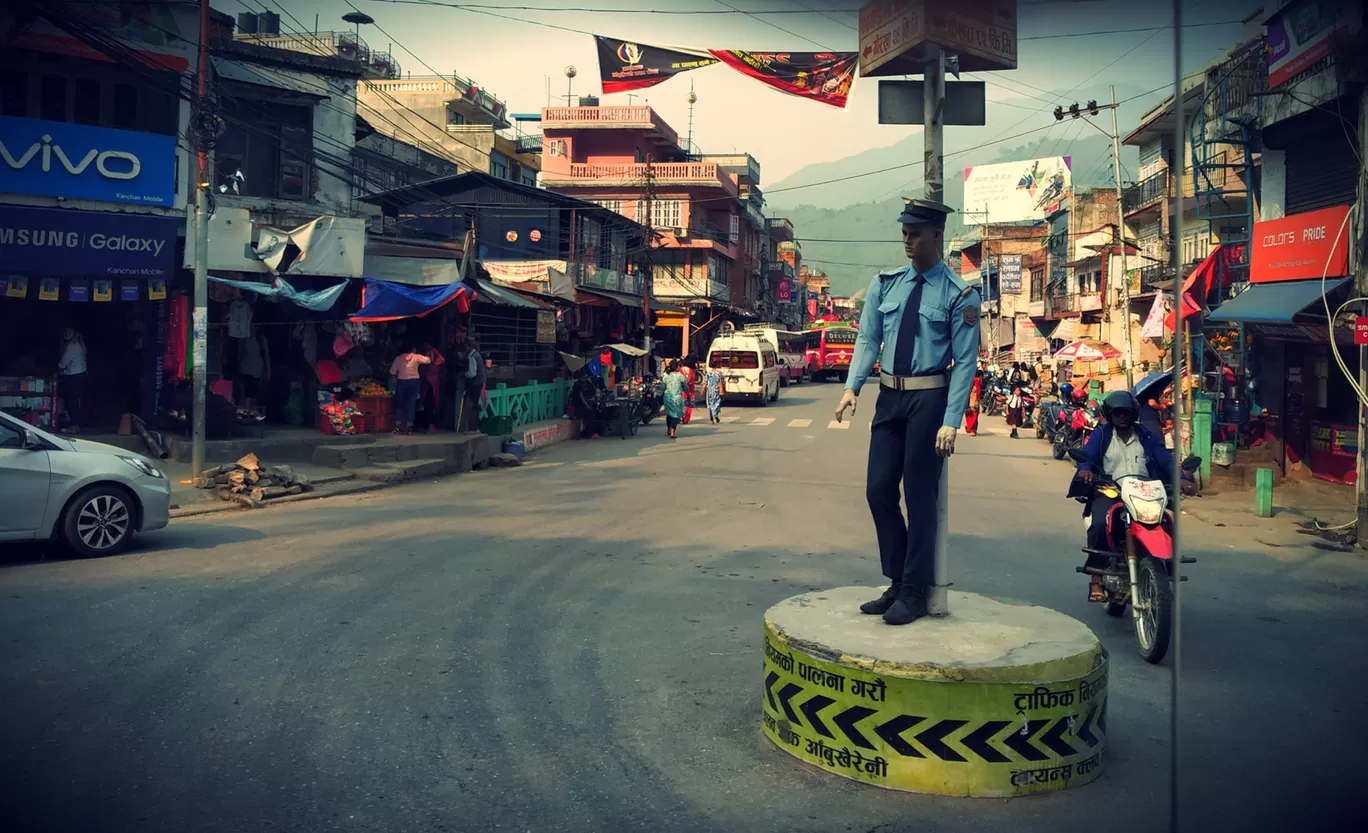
[[971, 314]]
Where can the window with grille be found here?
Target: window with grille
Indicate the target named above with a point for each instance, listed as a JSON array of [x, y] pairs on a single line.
[[1037, 284], [734, 231], [271, 143], [557, 147], [611, 205], [666, 214]]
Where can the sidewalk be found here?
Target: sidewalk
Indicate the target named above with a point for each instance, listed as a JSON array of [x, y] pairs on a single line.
[[1296, 504], [348, 465]]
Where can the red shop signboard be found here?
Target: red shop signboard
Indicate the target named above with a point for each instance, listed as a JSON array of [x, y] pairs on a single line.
[[1300, 247]]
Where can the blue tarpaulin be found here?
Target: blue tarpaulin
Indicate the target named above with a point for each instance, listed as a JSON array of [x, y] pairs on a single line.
[[385, 301], [1274, 303], [320, 300]]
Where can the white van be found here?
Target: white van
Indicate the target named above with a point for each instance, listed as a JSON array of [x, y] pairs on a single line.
[[749, 366]]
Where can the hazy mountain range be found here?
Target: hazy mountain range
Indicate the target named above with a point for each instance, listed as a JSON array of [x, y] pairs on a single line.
[[866, 208]]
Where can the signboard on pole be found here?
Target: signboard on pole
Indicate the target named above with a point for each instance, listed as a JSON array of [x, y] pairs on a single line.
[[898, 37], [1010, 281], [1013, 192]]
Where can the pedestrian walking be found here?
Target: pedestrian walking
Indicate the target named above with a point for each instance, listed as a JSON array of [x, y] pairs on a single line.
[[713, 390], [688, 369], [71, 386], [430, 389], [676, 387], [407, 387], [971, 414], [1015, 414], [474, 383]]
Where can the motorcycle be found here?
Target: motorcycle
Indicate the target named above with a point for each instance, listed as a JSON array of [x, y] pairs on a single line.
[[1137, 569], [1079, 423], [1047, 419], [652, 399], [1028, 404]]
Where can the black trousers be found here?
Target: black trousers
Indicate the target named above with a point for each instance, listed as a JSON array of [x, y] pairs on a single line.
[[902, 449], [1097, 522]]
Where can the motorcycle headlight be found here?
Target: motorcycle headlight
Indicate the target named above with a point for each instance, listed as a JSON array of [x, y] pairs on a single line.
[[1108, 491], [144, 467], [1147, 511]]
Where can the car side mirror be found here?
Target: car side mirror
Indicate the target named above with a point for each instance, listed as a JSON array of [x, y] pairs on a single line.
[[27, 441]]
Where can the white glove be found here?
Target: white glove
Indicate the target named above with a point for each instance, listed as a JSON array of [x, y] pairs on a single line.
[[945, 441]]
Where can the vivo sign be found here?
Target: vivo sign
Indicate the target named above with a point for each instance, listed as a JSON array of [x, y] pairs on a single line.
[[55, 159]]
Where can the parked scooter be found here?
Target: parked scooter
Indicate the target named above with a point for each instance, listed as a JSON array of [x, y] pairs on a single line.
[[1078, 420], [652, 399], [1136, 569]]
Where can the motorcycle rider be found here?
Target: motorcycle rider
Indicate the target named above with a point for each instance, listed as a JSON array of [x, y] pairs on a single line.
[[1117, 448]]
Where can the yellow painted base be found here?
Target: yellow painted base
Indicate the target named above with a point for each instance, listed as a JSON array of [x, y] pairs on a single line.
[[999, 699]]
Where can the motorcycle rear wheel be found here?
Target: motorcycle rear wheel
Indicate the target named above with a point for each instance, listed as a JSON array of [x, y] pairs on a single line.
[[1154, 626]]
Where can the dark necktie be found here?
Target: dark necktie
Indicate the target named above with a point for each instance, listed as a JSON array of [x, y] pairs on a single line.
[[908, 330]]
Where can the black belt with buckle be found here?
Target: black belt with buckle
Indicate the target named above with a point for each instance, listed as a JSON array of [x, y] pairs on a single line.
[[929, 382]]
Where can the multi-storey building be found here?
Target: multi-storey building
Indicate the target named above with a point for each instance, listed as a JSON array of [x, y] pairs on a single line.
[[705, 211]]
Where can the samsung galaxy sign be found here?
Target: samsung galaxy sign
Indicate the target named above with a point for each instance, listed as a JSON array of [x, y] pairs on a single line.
[[56, 159]]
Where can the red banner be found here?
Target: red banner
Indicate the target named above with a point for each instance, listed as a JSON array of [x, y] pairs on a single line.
[[785, 291], [625, 66], [821, 76]]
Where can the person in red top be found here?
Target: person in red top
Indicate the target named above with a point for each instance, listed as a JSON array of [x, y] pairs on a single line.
[[971, 415], [688, 368], [405, 371]]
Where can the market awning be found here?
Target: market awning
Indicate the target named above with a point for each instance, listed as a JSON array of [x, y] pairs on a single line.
[[384, 301], [625, 349], [1065, 330], [1274, 303], [413, 271], [621, 297], [320, 300], [492, 293]]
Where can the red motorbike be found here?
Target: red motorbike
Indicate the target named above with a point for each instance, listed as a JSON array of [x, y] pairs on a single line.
[[1137, 567]]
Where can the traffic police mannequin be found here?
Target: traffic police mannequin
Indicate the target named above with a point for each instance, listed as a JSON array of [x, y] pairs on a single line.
[[925, 320]]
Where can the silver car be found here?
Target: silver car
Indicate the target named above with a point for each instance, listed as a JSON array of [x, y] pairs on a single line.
[[90, 496]]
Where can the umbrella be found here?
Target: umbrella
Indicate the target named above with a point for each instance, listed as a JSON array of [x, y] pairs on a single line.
[[1088, 350], [1147, 386]]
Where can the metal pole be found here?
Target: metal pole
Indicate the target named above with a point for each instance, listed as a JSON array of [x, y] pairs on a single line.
[[933, 114], [1121, 245], [1179, 348], [199, 320], [648, 281]]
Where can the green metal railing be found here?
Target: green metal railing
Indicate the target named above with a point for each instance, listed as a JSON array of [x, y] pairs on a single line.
[[531, 403]]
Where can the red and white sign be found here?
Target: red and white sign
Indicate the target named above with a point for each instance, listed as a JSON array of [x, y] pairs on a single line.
[[785, 291], [1361, 330], [1301, 247]]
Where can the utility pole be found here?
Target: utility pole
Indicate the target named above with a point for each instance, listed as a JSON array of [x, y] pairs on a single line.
[[933, 134], [1358, 263], [648, 280], [1120, 237], [1121, 246], [200, 317]]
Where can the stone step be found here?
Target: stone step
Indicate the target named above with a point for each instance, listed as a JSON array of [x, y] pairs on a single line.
[[407, 470]]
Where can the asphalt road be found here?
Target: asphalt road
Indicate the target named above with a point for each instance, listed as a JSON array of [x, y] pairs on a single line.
[[575, 646]]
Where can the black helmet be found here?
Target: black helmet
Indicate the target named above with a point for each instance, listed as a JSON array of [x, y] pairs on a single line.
[[1119, 399]]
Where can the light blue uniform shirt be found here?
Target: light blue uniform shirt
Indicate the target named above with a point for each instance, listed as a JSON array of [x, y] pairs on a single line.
[[948, 337]]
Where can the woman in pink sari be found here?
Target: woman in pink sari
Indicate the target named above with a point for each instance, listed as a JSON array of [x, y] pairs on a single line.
[[690, 372]]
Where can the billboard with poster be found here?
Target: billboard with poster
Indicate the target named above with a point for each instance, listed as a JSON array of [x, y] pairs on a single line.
[[1304, 32], [1014, 192]]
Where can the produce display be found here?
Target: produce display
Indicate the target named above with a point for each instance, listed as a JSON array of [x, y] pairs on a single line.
[[370, 387]]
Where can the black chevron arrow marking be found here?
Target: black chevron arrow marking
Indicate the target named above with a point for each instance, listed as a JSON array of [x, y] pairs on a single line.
[[977, 741], [846, 720], [770, 679], [933, 739], [785, 695], [810, 709], [1054, 738], [892, 731], [1021, 743], [1085, 732]]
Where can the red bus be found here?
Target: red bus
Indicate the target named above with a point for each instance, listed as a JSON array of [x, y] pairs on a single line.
[[829, 350]]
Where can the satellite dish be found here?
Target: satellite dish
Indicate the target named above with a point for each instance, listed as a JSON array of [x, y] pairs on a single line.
[[358, 18]]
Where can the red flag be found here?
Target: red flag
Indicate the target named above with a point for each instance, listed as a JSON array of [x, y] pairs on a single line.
[[1198, 285], [625, 66], [821, 76]]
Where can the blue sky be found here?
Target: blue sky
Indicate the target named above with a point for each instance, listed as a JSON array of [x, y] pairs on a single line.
[[514, 59]]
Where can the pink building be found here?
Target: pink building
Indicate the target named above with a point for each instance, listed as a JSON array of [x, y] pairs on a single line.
[[707, 210]]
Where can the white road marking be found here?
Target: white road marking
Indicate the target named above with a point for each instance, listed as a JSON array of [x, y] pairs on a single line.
[[838, 425], [762, 421], [799, 423], [730, 419]]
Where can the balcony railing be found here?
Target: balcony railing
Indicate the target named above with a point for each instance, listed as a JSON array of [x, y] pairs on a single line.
[[668, 173], [1235, 84], [1151, 275], [608, 117], [529, 144], [708, 231], [1145, 193]]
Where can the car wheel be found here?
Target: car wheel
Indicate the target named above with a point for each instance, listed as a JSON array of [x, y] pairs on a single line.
[[100, 521]]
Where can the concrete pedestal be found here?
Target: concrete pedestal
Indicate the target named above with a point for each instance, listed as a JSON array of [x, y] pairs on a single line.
[[998, 699]]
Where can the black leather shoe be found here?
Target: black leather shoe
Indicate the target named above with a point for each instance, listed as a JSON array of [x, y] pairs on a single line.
[[880, 606], [907, 608]]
